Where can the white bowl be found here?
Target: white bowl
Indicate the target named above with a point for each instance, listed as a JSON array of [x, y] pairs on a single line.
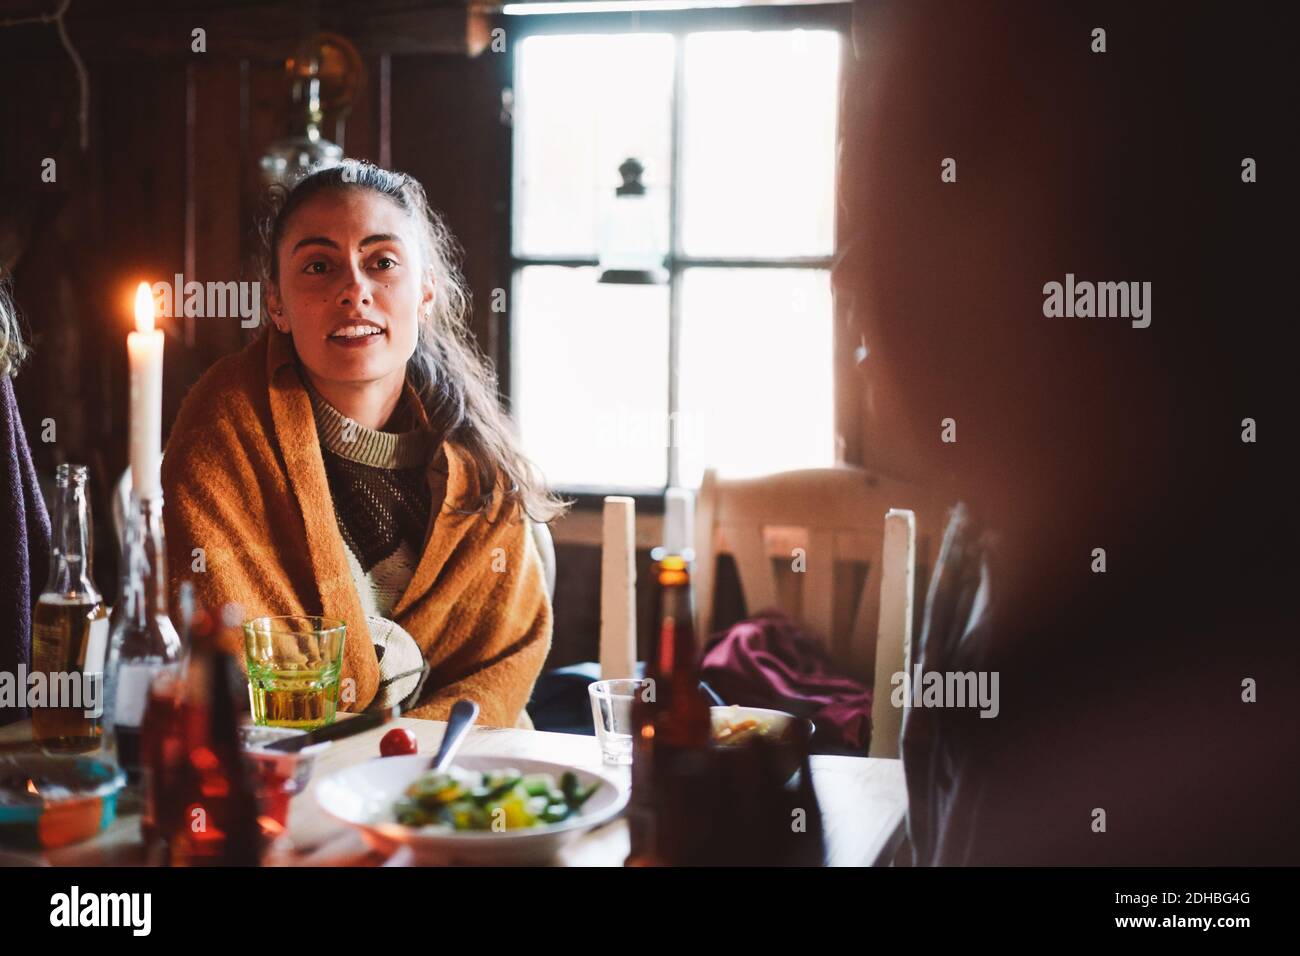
[[775, 724], [777, 727], [363, 797]]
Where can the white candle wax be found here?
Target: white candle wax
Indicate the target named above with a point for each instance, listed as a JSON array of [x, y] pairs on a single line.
[[618, 589], [145, 351]]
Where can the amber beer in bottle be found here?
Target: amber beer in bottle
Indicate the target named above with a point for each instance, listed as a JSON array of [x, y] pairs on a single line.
[[672, 727], [69, 627]]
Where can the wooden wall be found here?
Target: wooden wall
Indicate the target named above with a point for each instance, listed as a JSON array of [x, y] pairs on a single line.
[[168, 183]]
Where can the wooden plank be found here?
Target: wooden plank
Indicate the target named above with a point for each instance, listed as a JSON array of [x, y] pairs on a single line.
[[214, 192], [756, 576], [447, 133], [706, 559], [254, 29], [264, 109], [780, 541], [818, 605], [894, 633], [864, 808], [384, 90], [359, 132]]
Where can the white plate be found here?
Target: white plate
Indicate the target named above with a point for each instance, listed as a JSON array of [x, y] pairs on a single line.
[[363, 797]]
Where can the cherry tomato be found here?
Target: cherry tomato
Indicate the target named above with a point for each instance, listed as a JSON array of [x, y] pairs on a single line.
[[396, 742]]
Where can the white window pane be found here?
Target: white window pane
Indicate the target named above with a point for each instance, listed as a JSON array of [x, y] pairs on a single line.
[[583, 105], [758, 143], [591, 377], [756, 376]]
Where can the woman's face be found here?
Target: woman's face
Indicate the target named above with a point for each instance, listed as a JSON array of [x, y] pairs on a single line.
[[352, 286]]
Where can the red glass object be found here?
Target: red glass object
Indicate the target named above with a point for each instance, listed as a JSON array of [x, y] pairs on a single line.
[[200, 805], [672, 727]]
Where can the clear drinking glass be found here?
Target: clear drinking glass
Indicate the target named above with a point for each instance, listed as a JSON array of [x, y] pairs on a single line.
[[293, 669], [611, 711]]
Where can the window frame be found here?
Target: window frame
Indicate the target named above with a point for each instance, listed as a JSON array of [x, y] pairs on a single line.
[[834, 16]]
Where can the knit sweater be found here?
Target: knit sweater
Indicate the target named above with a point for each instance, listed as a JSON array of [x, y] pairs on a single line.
[[245, 481], [384, 490]]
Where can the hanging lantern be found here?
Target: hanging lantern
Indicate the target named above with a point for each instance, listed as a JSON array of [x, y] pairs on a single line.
[[325, 74], [631, 249]]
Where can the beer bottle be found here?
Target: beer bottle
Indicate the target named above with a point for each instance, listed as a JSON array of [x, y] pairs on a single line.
[[69, 628], [142, 640], [672, 726]]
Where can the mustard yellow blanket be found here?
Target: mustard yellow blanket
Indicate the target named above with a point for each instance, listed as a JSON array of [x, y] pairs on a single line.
[[249, 520]]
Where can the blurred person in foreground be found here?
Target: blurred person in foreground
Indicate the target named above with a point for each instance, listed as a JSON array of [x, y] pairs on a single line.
[[1146, 712]]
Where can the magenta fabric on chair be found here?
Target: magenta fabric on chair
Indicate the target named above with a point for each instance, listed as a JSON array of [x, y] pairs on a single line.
[[768, 661]]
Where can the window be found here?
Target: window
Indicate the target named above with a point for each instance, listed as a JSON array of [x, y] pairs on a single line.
[[729, 362]]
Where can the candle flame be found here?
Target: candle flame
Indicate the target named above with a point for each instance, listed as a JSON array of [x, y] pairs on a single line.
[[143, 308], [31, 787]]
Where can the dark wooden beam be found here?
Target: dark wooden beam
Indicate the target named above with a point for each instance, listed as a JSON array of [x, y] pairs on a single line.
[[248, 29]]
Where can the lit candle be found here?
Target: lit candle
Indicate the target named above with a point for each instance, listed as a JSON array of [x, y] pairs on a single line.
[[144, 347]]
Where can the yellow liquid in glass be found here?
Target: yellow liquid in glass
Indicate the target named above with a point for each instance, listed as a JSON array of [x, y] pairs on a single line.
[[302, 699]]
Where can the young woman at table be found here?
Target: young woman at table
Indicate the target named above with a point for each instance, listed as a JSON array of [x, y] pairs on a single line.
[[354, 462]]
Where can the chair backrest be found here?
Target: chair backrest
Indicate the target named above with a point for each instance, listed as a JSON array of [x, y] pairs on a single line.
[[828, 547], [894, 633]]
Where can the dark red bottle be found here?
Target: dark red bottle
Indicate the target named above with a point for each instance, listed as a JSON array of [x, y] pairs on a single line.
[[209, 811], [672, 728]]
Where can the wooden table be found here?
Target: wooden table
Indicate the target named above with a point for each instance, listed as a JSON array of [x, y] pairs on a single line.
[[863, 802]]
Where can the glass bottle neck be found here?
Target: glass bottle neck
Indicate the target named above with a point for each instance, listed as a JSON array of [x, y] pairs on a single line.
[[675, 656], [70, 554], [144, 560]]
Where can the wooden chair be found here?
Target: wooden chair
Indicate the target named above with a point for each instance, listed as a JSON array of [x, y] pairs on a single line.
[[836, 532]]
